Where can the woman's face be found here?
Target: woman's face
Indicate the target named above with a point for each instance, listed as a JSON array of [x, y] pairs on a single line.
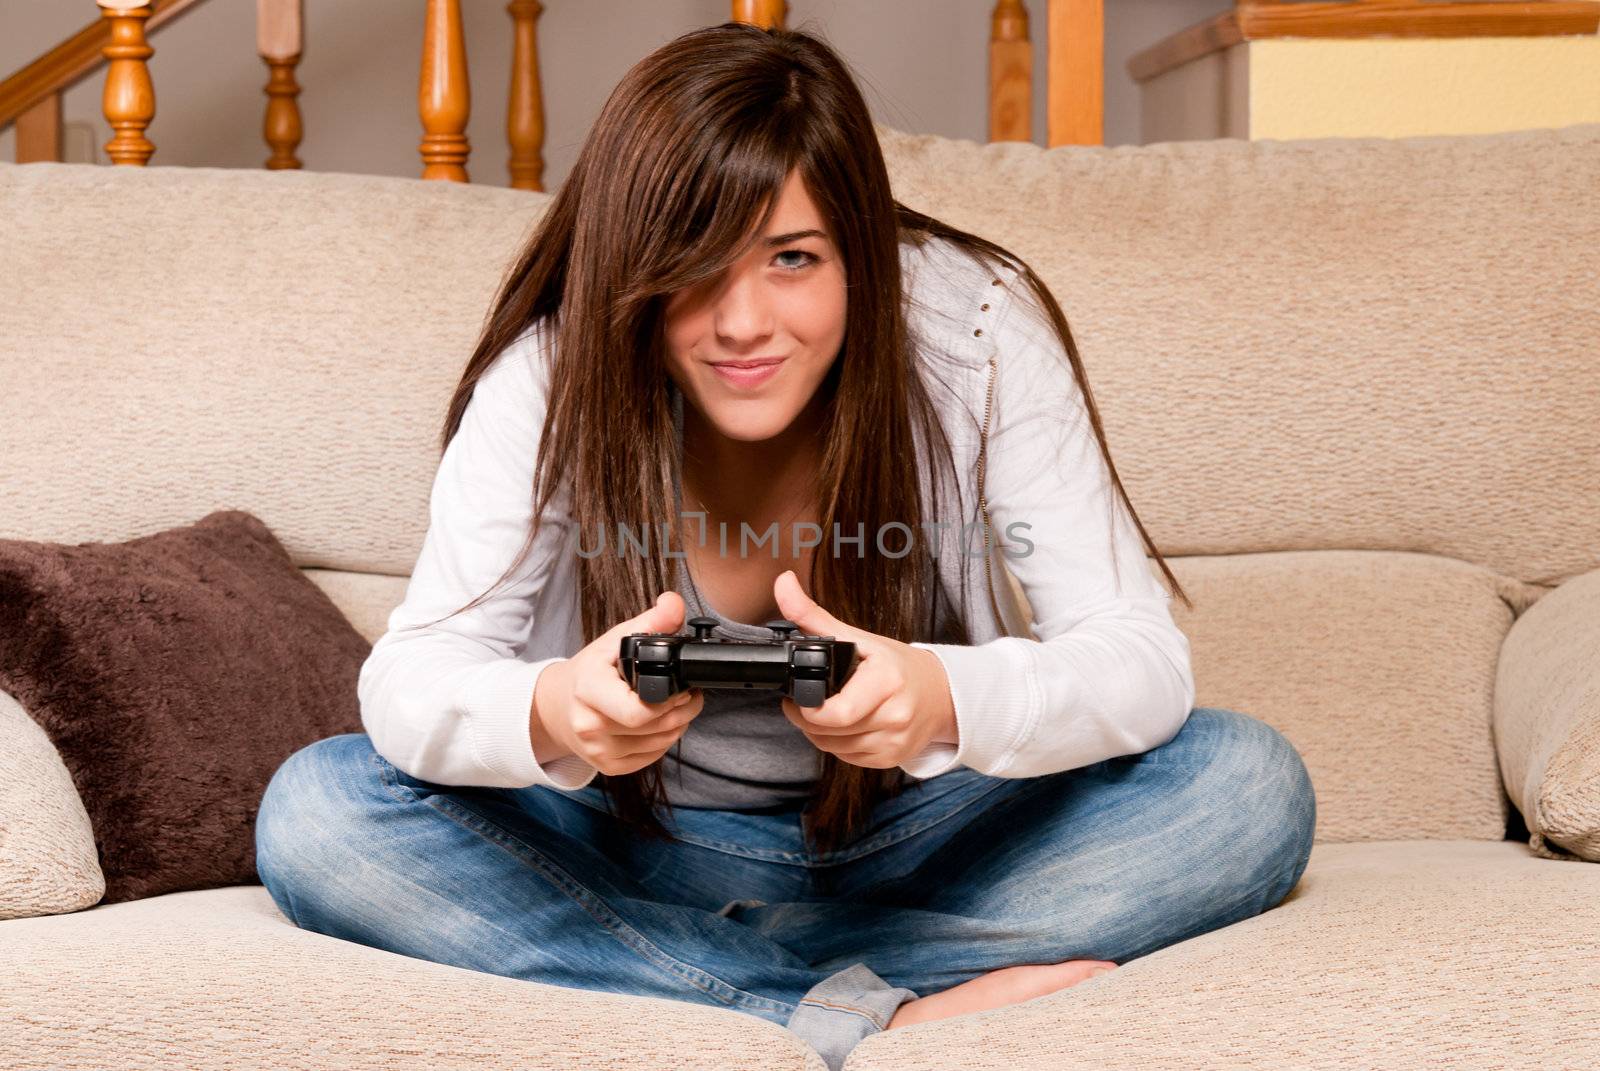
[[781, 306]]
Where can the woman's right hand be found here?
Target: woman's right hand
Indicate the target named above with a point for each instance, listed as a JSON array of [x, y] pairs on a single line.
[[582, 705]]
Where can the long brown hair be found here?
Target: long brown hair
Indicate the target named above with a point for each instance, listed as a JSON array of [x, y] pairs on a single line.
[[681, 169]]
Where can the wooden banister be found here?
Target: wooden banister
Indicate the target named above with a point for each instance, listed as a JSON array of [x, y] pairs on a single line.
[[1075, 37], [1010, 73], [767, 14], [279, 40], [39, 131], [69, 62], [129, 100], [1076, 79], [444, 94], [525, 108], [31, 98]]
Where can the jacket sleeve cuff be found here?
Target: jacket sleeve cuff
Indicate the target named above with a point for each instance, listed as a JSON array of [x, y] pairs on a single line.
[[499, 704], [995, 691]]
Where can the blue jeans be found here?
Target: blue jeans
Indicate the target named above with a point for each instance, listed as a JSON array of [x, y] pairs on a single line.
[[958, 875]]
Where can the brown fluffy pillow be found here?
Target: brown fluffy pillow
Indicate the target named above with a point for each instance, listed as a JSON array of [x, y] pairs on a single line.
[[174, 673]]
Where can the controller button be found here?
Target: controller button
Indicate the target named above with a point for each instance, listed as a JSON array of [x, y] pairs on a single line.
[[810, 693], [655, 689], [811, 659]]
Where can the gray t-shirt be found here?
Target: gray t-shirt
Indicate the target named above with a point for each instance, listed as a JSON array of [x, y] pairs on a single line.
[[740, 752]]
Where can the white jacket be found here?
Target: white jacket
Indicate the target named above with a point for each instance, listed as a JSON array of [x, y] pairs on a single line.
[[1105, 673]]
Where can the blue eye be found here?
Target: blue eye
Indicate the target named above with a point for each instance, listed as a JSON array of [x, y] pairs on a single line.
[[810, 257]]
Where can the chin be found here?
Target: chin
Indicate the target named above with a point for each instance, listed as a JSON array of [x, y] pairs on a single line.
[[752, 420]]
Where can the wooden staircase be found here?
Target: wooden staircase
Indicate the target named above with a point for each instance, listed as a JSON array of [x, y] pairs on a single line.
[[119, 42]]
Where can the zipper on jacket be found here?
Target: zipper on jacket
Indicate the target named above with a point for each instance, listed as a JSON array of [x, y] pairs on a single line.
[[983, 498]]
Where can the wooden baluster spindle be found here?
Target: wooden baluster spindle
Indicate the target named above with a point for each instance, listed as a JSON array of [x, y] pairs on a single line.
[[1076, 80], [279, 37], [39, 132], [767, 14], [525, 111], [444, 98], [129, 100], [1010, 73]]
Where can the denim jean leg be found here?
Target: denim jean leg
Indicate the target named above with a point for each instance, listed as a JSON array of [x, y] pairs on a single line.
[[836, 1013], [1109, 861], [1132, 854], [964, 876], [516, 882]]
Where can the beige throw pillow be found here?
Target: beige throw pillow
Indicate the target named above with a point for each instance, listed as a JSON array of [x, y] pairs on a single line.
[[1547, 719], [48, 862]]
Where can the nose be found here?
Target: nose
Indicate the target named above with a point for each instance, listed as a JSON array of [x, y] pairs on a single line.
[[743, 317]]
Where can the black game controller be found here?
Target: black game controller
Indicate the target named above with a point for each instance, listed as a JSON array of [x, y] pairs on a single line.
[[807, 669]]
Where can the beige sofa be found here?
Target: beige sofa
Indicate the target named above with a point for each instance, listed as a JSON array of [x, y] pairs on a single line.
[[1352, 386]]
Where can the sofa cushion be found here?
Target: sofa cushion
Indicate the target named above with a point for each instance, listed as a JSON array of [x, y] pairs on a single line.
[[219, 978], [1377, 665], [1398, 953], [173, 673], [1547, 719], [365, 599], [48, 862], [1439, 954]]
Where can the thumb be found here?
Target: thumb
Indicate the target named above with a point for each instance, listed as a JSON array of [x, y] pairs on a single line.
[[665, 615], [803, 610]]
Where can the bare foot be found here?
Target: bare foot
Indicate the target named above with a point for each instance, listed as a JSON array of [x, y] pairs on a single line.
[[1008, 985]]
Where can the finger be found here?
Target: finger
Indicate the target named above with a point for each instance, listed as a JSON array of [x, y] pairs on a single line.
[[798, 720], [611, 696], [650, 744], [665, 616], [845, 711], [856, 748], [868, 759], [681, 709], [828, 732], [803, 610]]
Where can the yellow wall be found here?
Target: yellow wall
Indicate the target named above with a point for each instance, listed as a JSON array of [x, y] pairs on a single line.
[[1398, 87]]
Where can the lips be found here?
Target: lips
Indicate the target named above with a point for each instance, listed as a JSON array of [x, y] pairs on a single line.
[[755, 362], [747, 373]]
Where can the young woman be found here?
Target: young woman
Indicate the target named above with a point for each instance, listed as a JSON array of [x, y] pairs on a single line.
[[731, 377]]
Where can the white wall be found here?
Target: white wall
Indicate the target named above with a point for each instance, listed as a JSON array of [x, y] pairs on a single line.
[[922, 64]]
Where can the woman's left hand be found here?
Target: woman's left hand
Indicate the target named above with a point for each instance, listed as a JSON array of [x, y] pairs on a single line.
[[893, 706]]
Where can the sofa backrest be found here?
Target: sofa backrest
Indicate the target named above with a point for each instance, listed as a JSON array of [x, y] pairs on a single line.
[[1296, 345], [1331, 343], [177, 340]]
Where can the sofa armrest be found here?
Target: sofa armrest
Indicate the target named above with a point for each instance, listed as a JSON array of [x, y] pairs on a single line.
[[49, 863], [1547, 719]]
